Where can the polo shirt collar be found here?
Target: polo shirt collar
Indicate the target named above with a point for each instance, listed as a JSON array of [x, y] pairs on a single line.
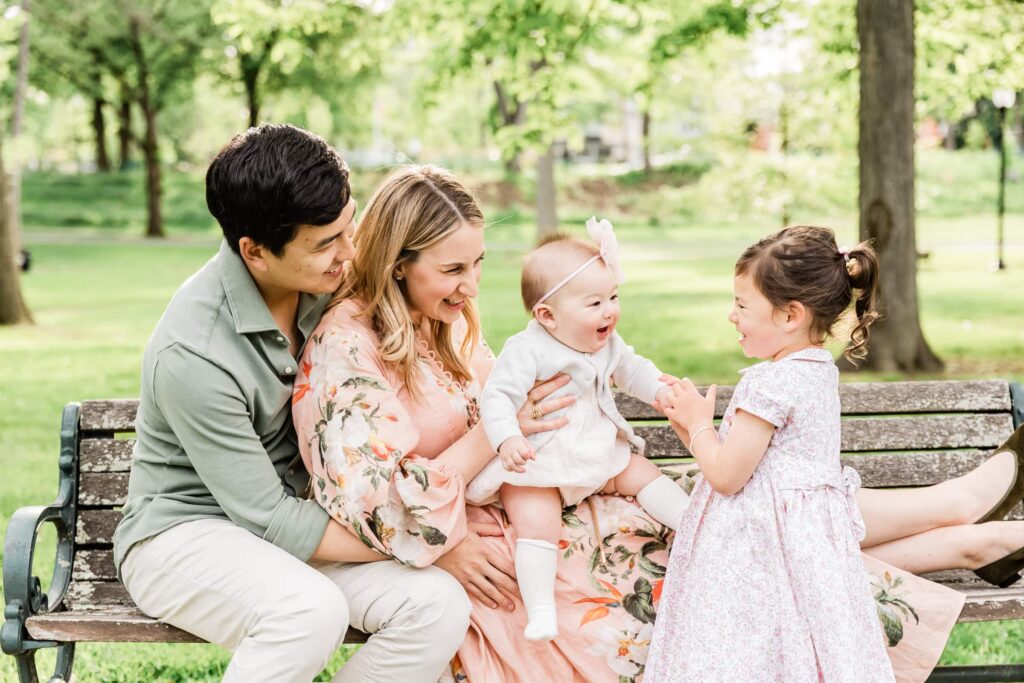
[[248, 309]]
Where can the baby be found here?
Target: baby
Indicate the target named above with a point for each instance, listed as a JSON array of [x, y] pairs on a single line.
[[570, 286]]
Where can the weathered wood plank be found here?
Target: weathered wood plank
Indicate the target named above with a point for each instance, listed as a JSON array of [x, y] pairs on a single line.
[[102, 488], [94, 565], [105, 455], [120, 626], [878, 434], [96, 527], [993, 604], [109, 415], [881, 398], [96, 595]]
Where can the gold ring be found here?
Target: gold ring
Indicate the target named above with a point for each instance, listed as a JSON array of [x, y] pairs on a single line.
[[536, 411]]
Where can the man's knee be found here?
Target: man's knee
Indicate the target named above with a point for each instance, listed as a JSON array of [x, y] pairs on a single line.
[[318, 611], [446, 608]]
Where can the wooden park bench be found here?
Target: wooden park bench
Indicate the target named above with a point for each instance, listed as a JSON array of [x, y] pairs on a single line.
[[896, 434]]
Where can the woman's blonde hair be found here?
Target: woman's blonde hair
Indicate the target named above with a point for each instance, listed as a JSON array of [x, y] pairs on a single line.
[[414, 209]]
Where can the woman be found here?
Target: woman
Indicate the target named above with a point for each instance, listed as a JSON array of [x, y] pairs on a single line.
[[387, 418]]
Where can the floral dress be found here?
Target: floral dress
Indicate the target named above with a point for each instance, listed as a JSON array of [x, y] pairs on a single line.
[[769, 583], [370, 446]]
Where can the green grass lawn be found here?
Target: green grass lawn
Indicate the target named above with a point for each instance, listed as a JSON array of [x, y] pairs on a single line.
[[96, 296]]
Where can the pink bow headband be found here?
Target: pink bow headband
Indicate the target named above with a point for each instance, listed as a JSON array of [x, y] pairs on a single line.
[[604, 235]]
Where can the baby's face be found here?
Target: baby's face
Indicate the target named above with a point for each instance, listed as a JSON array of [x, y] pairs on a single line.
[[583, 314]]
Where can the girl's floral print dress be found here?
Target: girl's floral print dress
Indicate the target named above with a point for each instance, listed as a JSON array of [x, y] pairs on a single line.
[[370, 446], [769, 584]]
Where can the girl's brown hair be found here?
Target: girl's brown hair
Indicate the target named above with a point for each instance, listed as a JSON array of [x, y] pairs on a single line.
[[803, 263], [414, 209]]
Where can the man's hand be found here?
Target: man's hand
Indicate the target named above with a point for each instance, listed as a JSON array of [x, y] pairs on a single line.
[[482, 571], [514, 452]]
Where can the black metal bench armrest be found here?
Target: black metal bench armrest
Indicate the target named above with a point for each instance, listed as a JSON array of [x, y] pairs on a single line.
[[22, 590]]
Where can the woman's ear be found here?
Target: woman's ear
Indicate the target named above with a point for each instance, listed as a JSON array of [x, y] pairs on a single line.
[[254, 255], [545, 316]]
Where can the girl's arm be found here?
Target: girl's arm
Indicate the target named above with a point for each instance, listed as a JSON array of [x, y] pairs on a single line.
[[727, 466]]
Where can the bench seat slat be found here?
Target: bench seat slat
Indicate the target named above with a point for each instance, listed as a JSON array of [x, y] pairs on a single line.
[[102, 488], [120, 625]]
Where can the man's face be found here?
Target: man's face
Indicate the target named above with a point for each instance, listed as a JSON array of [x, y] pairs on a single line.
[[312, 262]]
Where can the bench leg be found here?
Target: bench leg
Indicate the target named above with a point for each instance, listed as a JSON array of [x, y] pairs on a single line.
[[1003, 673], [27, 672]]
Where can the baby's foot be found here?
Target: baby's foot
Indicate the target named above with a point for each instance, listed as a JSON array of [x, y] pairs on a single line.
[[543, 624]]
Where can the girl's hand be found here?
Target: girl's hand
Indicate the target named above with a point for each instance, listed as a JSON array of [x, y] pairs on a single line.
[[483, 571], [514, 452], [687, 408], [531, 414]]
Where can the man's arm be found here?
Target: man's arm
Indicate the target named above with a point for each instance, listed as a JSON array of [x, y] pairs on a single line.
[[205, 409]]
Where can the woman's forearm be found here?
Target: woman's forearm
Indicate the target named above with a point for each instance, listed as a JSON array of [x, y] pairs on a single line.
[[469, 454], [338, 544]]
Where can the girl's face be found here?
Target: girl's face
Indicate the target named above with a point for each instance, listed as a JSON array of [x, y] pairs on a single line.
[[445, 276], [582, 314], [764, 330]]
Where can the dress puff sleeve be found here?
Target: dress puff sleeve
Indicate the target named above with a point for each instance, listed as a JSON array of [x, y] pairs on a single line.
[[767, 394], [358, 443]]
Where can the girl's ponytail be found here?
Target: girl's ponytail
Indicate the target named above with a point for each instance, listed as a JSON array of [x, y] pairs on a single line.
[[862, 272]]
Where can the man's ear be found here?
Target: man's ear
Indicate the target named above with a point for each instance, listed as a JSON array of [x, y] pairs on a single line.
[[254, 255], [545, 316], [797, 316]]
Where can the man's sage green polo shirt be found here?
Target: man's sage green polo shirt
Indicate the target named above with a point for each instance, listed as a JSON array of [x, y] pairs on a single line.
[[214, 429]]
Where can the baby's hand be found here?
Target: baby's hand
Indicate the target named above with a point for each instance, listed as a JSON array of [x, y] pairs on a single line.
[[686, 407], [514, 452]]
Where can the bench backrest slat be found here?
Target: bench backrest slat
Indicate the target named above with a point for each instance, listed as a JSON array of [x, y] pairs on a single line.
[[894, 434]]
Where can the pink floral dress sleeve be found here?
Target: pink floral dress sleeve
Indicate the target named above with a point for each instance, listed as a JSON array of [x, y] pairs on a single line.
[[360, 447]]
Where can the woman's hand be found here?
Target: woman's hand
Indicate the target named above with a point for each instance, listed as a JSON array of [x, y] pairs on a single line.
[[482, 571], [532, 412]]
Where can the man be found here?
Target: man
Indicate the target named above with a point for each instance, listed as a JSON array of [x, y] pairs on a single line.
[[216, 538]]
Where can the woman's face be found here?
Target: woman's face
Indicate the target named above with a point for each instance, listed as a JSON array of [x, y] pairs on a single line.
[[439, 283]]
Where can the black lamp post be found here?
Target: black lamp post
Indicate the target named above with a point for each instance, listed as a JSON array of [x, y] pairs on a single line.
[[1003, 100]]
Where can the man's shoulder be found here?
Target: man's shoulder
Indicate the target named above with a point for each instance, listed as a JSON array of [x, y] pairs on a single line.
[[193, 314]]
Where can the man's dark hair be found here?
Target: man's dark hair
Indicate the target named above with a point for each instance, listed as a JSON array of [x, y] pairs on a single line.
[[271, 179]]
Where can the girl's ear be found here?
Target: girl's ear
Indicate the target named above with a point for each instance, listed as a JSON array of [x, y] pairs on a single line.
[[254, 255], [545, 316], [797, 316]]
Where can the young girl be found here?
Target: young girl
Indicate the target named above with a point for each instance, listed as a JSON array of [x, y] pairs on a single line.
[[766, 580], [570, 287]]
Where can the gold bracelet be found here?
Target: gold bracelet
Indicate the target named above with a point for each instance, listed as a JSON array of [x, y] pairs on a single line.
[[697, 433]]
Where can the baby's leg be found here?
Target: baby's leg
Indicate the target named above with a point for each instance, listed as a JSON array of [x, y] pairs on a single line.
[[658, 494], [536, 515]]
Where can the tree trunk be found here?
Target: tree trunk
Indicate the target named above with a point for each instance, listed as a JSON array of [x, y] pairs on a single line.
[[150, 148], [513, 113], [885, 29], [155, 221], [250, 79], [12, 305], [124, 132], [12, 189], [99, 131], [547, 213], [646, 130]]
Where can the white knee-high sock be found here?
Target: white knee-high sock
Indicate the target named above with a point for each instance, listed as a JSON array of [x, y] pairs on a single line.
[[536, 562], [664, 501]]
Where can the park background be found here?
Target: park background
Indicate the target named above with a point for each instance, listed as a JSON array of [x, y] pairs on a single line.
[[695, 127]]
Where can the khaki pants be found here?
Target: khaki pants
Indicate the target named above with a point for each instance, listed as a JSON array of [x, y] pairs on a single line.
[[284, 618]]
